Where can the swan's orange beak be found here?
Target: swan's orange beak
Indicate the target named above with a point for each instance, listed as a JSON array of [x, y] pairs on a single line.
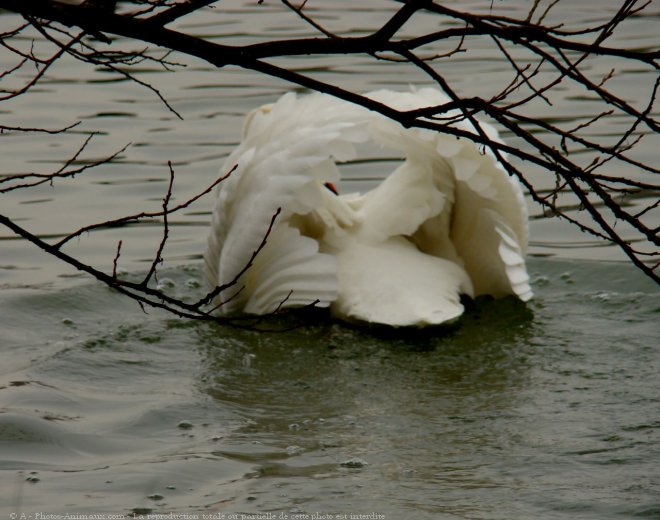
[[331, 187]]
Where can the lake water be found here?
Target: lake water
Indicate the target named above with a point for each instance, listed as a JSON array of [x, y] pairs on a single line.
[[541, 411]]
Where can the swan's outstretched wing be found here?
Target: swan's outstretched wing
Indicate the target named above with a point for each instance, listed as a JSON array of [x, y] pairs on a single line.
[[482, 218], [449, 199], [289, 272], [392, 283], [281, 163]]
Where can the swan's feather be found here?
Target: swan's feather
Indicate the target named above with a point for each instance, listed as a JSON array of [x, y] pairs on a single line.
[[290, 269], [481, 183], [403, 201], [449, 220], [279, 158], [393, 283]]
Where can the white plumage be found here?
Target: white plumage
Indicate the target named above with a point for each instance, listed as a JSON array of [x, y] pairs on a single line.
[[448, 221]]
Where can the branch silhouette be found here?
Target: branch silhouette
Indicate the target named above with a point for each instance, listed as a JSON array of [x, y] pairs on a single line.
[[556, 56]]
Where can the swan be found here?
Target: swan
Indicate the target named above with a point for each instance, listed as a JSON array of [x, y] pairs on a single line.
[[449, 221]]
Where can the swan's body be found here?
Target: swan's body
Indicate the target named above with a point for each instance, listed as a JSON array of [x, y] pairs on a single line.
[[448, 221]]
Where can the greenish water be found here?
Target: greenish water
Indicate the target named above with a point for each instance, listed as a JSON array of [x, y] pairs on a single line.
[[545, 411], [548, 410]]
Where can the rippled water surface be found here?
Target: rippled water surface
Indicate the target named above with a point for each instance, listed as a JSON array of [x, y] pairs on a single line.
[[543, 411]]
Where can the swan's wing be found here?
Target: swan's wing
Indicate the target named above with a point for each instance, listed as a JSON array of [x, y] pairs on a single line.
[[289, 272], [490, 224], [454, 201], [392, 283], [482, 222], [280, 164], [402, 202], [421, 188]]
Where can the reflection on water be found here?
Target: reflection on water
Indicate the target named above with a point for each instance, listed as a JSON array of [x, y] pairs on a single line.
[[328, 402], [318, 365], [538, 411]]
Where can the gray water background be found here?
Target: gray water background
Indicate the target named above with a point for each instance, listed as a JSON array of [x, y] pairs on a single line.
[[547, 411]]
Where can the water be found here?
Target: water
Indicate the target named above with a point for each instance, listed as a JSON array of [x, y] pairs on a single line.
[[540, 411], [520, 412]]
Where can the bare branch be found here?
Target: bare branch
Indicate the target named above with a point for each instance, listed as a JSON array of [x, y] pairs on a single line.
[[142, 215], [590, 191], [220, 288], [61, 173], [158, 259]]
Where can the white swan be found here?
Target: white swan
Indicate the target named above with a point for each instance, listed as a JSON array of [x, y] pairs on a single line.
[[448, 221]]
